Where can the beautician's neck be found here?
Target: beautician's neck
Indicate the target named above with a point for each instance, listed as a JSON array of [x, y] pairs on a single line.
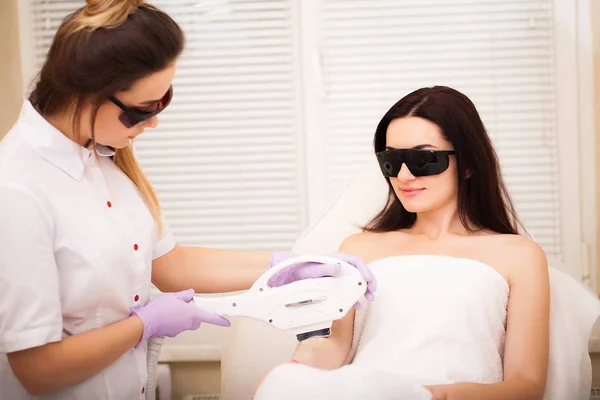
[[438, 223]]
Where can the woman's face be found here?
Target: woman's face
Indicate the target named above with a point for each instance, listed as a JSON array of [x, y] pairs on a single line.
[[424, 193], [144, 95]]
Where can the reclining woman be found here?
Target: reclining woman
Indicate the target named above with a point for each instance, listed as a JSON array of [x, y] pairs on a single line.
[[464, 298]]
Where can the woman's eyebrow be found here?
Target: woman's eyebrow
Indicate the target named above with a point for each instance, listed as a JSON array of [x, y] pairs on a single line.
[[418, 147]]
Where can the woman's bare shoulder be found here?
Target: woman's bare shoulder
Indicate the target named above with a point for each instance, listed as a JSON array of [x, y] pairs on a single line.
[[368, 245], [518, 252], [357, 240], [366, 237], [517, 244]]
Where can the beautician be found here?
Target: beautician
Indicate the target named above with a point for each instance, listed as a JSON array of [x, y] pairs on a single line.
[[81, 232]]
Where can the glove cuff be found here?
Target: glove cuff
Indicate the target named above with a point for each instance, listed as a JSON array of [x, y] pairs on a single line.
[[146, 331], [279, 256]]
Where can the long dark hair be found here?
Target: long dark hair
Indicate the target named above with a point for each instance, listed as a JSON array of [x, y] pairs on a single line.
[[483, 200], [99, 50]]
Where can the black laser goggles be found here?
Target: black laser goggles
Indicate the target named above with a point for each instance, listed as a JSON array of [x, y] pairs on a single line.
[[130, 116], [420, 162]]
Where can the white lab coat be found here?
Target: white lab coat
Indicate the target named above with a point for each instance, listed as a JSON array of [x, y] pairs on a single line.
[[76, 248]]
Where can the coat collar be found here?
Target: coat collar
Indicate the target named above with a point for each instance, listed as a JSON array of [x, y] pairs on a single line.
[[54, 146]]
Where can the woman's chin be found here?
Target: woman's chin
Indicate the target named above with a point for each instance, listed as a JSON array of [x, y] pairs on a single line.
[[417, 210], [414, 206]]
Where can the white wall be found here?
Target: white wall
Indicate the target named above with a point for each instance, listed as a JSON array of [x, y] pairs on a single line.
[[10, 65], [595, 19]]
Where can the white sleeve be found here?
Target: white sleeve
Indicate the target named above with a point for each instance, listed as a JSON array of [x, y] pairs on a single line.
[[30, 309], [165, 241]]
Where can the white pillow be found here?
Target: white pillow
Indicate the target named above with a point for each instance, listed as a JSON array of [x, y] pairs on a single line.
[[360, 199]]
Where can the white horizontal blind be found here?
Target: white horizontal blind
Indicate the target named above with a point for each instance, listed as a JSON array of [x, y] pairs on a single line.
[[46, 16], [499, 53], [224, 159]]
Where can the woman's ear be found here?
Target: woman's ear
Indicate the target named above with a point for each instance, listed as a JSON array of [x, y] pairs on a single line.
[[467, 174]]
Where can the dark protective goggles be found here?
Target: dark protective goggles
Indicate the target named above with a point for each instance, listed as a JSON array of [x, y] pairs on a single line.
[[133, 116], [419, 162]]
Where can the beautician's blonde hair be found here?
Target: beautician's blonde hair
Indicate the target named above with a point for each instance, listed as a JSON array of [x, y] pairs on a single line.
[[102, 49], [106, 14]]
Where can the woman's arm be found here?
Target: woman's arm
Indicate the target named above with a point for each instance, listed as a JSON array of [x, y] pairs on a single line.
[[332, 351], [527, 337], [208, 270], [56, 365], [325, 353], [329, 352]]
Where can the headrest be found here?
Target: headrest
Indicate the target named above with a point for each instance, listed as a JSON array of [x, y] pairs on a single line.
[[363, 196]]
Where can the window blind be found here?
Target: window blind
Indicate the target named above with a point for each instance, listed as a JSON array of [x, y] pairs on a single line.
[[499, 53], [224, 158]]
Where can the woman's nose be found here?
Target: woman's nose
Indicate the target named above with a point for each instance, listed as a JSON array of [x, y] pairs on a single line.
[[404, 174]]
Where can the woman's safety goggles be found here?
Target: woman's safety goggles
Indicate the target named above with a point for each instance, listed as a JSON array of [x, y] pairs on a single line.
[[419, 162], [133, 116]]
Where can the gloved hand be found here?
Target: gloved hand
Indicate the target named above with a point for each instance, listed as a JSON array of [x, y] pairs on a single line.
[[309, 270], [170, 314]]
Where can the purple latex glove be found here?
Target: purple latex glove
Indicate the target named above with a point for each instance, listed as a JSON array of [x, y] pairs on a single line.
[[170, 314], [309, 270]]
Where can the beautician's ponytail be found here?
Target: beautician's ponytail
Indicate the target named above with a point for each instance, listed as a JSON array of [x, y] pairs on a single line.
[[102, 49], [104, 14]]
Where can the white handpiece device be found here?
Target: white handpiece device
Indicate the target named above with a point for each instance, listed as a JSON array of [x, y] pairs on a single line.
[[308, 306]]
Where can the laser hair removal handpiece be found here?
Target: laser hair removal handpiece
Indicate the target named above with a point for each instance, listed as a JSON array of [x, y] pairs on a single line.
[[308, 306]]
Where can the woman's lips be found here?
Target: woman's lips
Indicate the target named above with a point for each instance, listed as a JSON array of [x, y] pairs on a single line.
[[411, 192]]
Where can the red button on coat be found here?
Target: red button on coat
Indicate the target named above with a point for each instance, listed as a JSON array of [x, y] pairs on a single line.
[[109, 204], [135, 247], [136, 298], [143, 390]]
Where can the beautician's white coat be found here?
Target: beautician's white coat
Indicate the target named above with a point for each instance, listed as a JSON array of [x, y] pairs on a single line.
[[76, 248]]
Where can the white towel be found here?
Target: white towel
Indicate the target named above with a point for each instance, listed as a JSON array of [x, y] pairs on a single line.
[[351, 382], [573, 311], [436, 320]]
